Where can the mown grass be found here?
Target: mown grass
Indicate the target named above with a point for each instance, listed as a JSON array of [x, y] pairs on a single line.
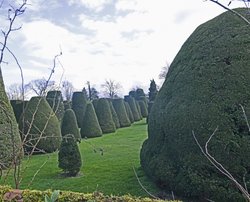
[[109, 171]]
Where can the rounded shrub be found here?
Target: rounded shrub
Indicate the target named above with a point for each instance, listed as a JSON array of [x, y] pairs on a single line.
[[10, 142], [133, 107], [114, 115], [55, 100], [79, 103], [90, 125], [69, 157], [206, 85], [18, 107], [39, 127], [121, 112], [69, 125], [143, 108], [129, 112], [104, 116]]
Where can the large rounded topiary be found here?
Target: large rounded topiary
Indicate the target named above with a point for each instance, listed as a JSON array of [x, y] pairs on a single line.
[[121, 112], [69, 156], [132, 103], [205, 85], [90, 125], [104, 116], [79, 103], [55, 100], [39, 127], [10, 142], [129, 112], [69, 125]]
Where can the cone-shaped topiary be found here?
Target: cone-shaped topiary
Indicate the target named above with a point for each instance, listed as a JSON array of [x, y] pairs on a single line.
[[55, 100], [206, 85], [114, 115], [129, 112], [138, 108], [39, 127], [104, 116], [90, 125], [18, 107], [67, 105], [69, 125], [10, 142], [133, 107], [143, 108], [69, 157], [79, 103], [121, 112]]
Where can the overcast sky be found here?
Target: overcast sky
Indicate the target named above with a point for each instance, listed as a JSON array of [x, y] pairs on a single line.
[[125, 40]]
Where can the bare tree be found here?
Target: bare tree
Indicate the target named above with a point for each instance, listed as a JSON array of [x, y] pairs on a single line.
[[40, 86], [67, 90], [111, 88], [164, 71], [17, 91]]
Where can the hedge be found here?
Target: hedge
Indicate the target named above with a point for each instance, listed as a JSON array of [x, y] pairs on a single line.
[[121, 112]]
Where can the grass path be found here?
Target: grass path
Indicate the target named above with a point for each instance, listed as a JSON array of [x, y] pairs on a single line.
[[110, 172]]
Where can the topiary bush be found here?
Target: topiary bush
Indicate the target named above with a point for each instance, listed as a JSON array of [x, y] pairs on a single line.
[[10, 142], [104, 116], [39, 127], [69, 157], [55, 100], [79, 103], [69, 125], [67, 105], [114, 115], [129, 112], [133, 107], [121, 112], [204, 87], [143, 108], [18, 107], [138, 108], [90, 125]]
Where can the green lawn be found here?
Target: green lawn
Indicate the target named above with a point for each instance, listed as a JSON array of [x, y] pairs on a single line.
[[110, 173]]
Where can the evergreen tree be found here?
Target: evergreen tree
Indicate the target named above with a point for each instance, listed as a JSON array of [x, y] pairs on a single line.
[[18, 107], [133, 107], [69, 157], [121, 112], [143, 108], [90, 126], [129, 112], [69, 125], [152, 91], [79, 103], [114, 115]]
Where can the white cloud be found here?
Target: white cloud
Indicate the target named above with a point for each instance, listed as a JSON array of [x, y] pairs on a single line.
[[95, 5]]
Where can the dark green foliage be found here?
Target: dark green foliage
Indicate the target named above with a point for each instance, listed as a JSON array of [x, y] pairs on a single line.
[[39, 126], [206, 82], [143, 108], [9, 135], [138, 109], [152, 91], [121, 112], [94, 102], [69, 125], [133, 107], [67, 105], [129, 112], [69, 157], [114, 115], [79, 103], [55, 100], [90, 125], [18, 107], [104, 116]]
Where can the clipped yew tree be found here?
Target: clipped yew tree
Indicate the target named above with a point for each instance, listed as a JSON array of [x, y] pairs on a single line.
[[69, 125], [138, 108], [18, 107], [121, 112], [206, 85], [114, 115], [79, 103], [69, 156], [132, 103], [129, 112], [10, 141], [39, 127], [55, 100], [104, 116], [90, 126], [143, 108]]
